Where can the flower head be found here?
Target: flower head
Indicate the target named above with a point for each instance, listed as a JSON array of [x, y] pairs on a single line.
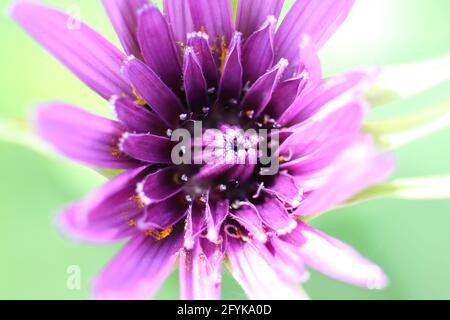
[[228, 139]]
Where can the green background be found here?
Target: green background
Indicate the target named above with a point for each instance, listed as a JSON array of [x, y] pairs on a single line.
[[409, 239]]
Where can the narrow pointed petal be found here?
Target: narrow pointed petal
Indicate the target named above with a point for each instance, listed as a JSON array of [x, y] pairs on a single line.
[[338, 260], [318, 19], [309, 61], [195, 224], [286, 259], [275, 215], [164, 214], [139, 269], [231, 80], [215, 18], [86, 53], [336, 90], [259, 95], [216, 212], [150, 87], [137, 118], [200, 271], [178, 14], [318, 159], [247, 215], [257, 277], [124, 17], [147, 147], [353, 171], [108, 213], [158, 46], [160, 185], [285, 94], [286, 189], [252, 14], [210, 171], [334, 127], [194, 82], [258, 51], [83, 136], [199, 41]]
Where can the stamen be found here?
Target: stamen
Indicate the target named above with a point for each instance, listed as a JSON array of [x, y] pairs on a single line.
[[138, 200], [139, 100], [223, 54], [159, 234]]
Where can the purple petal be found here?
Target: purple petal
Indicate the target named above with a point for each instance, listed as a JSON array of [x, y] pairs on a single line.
[[137, 118], [195, 224], [247, 215], [258, 278], [259, 95], [338, 260], [318, 19], [215, 18], [230, 86], [285, 259], [201, 271], [139, 269], [160, 185], [216, 213], [285, 94], [286, 189], [194, 82], [164, 214], [87, 54], [337, 90], [354, 170], [316, 143], [147, 147], [258, 51], [82, 136], [108, 214], [160, 98], [124, 18], [309, 61], [199, 41], [178, 15], [275, 215], [251, 14], [158, 46]]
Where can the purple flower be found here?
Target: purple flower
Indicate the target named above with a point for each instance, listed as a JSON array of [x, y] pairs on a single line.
[[192, 63]]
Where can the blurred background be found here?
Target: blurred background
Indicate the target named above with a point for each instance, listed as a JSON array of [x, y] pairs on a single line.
[[409, 239]]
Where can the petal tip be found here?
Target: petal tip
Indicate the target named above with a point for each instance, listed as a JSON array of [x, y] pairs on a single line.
[[377, 279]]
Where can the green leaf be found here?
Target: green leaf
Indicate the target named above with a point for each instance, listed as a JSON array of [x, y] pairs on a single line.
[[424, 188], [399, 81], [398, 131]]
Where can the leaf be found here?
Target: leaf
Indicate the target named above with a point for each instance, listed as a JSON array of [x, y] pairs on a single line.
[[424, 188], [399, 81], [398, 131]]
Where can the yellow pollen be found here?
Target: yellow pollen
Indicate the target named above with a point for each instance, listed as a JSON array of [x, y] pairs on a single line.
[[223, 54], [132, 223], [138, 200], [158, 234], [139, 100]]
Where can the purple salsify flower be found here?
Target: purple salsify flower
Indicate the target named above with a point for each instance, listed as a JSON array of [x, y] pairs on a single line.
[[192, 63]]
